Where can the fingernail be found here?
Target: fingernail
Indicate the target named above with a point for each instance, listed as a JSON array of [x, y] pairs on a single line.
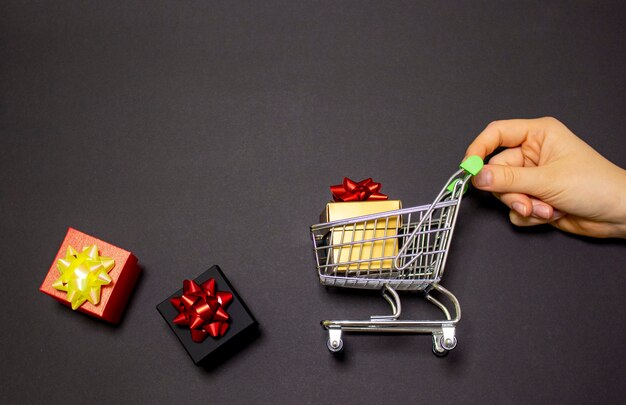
[[520, 208], [484, 178], [557, 214], [541, 211]]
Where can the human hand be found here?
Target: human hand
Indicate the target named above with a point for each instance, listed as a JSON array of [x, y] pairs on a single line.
[[549, 175]]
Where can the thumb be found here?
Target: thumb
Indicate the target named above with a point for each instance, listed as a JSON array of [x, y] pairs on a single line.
[[508, 179]]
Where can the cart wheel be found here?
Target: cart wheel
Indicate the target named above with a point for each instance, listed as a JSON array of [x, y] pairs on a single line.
[[449, 343], [336, 347], [437, 353]]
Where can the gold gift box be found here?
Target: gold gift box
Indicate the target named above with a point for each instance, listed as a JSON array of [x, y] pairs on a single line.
[[363, 231]]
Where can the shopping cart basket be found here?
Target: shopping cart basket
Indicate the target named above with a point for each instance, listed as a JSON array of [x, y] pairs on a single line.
[[421, 237]]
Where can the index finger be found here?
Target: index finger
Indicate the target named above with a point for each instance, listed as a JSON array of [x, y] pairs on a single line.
[[508, 133]]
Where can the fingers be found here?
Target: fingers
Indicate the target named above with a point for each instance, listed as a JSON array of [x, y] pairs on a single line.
[[517, 202], [519, 220], [505, 174], [526, 206], [544, 211], [521, 203], [508, 157], [510, 179], [519, 187], [508, 133]]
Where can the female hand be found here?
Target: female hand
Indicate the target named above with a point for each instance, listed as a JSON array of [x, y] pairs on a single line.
[[549, 175]]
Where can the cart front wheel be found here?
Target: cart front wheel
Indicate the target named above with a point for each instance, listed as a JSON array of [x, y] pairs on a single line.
[[443, 344], [448, 343], [335, 346]]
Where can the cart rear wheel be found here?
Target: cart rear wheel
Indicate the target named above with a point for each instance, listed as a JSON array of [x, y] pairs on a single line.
[[437, 353], [335, 346]]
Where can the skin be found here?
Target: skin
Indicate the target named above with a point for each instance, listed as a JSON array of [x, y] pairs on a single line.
[[547, 174]]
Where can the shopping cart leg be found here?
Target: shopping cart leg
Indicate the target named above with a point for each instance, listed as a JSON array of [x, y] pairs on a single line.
[[444, 339], [391, 296]]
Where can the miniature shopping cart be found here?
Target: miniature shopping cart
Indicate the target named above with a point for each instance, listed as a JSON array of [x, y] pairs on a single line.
[[420, 238]]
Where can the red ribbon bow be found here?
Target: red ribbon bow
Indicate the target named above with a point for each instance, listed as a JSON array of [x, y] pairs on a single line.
[[202, 309], [364, 190]]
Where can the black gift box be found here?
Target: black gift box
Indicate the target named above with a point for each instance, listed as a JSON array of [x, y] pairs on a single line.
[[242, 323]]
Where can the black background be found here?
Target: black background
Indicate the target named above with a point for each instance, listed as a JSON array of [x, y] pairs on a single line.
[[201, 133]]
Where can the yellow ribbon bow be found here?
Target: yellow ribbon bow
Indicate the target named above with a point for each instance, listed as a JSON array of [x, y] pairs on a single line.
[[82, 275]]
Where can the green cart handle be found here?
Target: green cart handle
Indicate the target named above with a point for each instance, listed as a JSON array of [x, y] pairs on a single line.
[[472, 166]]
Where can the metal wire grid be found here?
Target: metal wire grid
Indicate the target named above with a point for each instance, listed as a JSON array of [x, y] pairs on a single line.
[[405, 249]]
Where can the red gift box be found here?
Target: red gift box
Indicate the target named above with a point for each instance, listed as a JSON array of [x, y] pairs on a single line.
[[115, 294]]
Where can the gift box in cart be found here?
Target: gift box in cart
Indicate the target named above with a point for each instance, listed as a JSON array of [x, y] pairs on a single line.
[[420, 239]]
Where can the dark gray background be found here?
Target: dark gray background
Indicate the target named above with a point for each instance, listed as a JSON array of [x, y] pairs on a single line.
[[200, 133]]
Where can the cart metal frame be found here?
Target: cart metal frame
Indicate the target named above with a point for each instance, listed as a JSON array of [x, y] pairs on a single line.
[[421, 237]]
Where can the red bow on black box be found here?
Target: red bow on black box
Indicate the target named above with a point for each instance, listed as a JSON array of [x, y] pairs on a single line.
[[202, 309]]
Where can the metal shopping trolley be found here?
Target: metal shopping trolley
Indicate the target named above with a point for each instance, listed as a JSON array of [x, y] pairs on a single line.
[[348, 254]]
